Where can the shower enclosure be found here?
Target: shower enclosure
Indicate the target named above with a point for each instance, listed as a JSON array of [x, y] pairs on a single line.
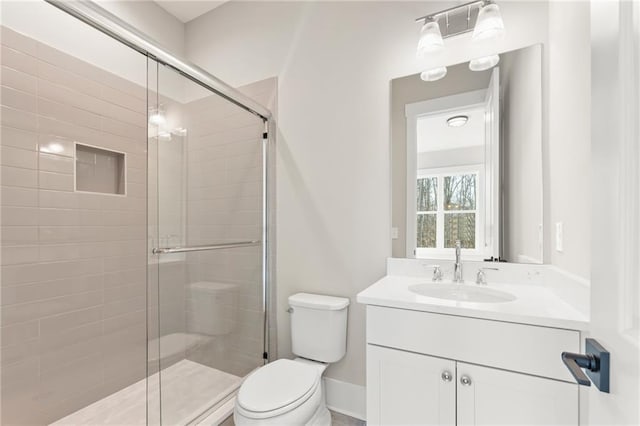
[[135, 225]]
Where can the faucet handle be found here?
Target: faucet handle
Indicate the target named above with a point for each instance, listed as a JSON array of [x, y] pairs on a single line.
[[481, 277], [437, 272]]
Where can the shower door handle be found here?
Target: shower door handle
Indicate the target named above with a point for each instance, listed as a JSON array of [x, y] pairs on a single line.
[[169, 250]]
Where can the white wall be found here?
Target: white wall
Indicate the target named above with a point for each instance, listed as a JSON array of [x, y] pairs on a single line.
[[151, 19], [522, 205], [452, 157], [568, 103], [334, 62], [45, 22]]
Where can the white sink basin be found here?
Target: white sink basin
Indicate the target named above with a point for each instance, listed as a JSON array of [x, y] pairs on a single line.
[[462, 292]]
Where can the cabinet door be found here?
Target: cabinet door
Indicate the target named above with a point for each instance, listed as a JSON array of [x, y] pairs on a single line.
[[498, 397], [404, 388]]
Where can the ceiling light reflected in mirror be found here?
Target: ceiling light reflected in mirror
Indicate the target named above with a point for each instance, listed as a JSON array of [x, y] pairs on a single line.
[[457, 120]]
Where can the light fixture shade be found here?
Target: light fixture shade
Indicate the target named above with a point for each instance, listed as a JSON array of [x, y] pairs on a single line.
[[457, 120], [156, 116], [489, 23], [430, 39], [433, 74], [484, 63]]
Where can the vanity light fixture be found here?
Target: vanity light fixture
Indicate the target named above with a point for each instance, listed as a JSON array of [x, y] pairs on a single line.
[[480, 16], [430, 38], [433, 74], [489, 24], [457, 120]]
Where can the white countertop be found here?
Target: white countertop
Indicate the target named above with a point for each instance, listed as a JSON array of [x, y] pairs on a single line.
[[535, 304]]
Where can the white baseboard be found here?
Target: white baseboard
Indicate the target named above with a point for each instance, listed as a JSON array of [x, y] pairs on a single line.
[[346, 398]]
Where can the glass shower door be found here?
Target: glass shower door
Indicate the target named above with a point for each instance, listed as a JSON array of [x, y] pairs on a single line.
[[206, 301]]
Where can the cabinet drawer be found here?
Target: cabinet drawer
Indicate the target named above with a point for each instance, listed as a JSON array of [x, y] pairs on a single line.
[[517, 347]]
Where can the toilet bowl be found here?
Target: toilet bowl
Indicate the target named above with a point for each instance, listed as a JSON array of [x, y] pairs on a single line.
[[295, 395], [290, 392]]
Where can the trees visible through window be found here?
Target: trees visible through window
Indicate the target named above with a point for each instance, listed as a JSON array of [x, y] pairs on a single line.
[[447, 209], [427, 203]]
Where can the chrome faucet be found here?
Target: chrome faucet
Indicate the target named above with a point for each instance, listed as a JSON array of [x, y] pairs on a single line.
[[457, 268], [481, 277]]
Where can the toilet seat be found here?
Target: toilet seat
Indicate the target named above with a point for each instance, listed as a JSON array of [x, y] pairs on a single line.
[[277, 388]]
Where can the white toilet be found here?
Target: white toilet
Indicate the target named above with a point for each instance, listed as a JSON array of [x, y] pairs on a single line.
[[290, 392]]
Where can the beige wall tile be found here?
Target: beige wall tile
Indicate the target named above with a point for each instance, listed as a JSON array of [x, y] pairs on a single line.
[[18, 99], [19, 138], [55, 324], [17, 41], [18, 333], [55, 181], [23, 274], [18, 60], [18, 80], [18, 119], [126, 100], [52, 217], [12, 314], [53, 74], [49, 289], [13, 176], [13, 255], [19, 216], [68, 114], [18, 197], [55, 163], [66, 96], [16, 157]]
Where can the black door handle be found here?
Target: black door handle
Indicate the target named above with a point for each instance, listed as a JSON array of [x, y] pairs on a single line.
[[576, 362], [595, 361]]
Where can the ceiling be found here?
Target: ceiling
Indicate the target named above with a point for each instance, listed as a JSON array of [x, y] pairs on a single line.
[[186, 10], [434, 134]]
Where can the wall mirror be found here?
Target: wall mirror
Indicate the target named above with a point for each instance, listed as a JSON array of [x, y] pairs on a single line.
[[467, 162]]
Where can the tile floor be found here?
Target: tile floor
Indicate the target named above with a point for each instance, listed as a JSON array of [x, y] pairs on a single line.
[[188, 389], [342, 420]]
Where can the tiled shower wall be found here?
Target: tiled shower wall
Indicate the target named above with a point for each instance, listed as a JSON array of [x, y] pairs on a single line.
[[224, 204], [73, 264]]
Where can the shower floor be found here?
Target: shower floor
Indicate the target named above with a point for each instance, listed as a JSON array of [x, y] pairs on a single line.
[[188, 390]]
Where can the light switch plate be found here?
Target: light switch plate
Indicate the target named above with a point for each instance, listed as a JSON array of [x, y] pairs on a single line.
[[559, 236], [394, 233]]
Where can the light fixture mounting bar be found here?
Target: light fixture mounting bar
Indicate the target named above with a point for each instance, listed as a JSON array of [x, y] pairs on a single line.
[[456, 20]]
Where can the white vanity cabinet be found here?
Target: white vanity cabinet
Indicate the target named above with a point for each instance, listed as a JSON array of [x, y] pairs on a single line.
[[404, 388], [497, 397], [435, 369]]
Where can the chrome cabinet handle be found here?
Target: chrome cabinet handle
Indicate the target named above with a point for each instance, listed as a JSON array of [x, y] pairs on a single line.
[[446, 376], [465, 381]]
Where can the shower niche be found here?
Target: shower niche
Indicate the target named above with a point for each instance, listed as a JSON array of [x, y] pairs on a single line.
[[99, 170]]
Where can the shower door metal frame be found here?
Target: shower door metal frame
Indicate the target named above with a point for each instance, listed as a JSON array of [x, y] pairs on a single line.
[[109, 24]]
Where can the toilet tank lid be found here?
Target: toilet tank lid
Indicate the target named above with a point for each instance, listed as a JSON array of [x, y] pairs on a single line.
[[318, 301]]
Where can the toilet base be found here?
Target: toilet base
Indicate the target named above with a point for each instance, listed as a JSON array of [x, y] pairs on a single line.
[[322, 417], [298, 417]]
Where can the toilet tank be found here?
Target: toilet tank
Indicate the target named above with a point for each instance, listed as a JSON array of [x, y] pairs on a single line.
[[318, 326], [211, 308]]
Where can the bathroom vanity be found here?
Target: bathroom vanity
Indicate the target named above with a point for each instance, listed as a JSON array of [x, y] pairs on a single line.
[[472, 354]]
